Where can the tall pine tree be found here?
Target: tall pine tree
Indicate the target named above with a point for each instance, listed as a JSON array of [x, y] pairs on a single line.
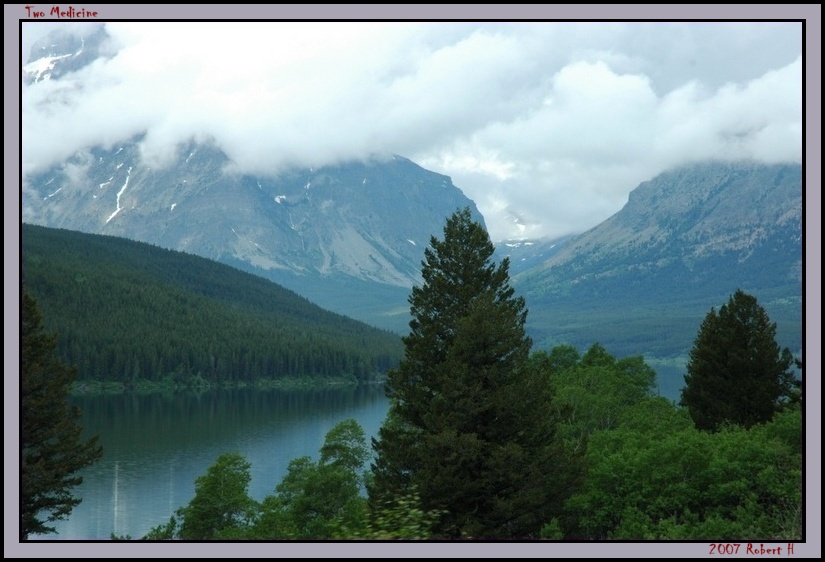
[[52, 450], [736, 371], [469, 426]]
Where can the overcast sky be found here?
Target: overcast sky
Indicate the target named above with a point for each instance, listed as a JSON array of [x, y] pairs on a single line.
[[548, 124]]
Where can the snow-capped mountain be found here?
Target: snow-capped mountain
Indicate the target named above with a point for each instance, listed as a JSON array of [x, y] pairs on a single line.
[[370, 221], [351, 236], [355, 223], [60, 53]]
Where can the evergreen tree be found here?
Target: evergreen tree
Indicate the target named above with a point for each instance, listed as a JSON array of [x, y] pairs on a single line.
[[469, 426], [51, 447], [736, 372]]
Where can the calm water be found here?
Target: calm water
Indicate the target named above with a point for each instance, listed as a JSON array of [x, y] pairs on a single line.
[[154, 447], [669, 381]]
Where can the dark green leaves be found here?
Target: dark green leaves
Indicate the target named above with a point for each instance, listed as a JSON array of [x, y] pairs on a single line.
[[469, 428], [51, 443], [736, 373]]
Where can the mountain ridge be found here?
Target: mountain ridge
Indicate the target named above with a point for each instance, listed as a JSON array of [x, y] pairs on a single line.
[[684, 242], [731, 199], [366, 220], [351, 236]]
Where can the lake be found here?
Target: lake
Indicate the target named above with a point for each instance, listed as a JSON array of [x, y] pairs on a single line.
[[156, 445]]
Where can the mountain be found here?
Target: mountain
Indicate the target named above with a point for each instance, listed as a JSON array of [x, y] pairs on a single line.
[[369, 221], [526, 254], [684, 242], [350, 237], [126, 310], [61, 52], [746, 213]]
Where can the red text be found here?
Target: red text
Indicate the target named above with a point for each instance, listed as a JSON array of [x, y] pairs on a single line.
[[71, 13]]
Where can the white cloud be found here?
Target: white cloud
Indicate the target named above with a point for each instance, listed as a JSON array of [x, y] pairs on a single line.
[[551, 122]]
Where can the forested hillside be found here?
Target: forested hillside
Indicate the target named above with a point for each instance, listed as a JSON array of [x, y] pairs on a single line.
[[126, 311]]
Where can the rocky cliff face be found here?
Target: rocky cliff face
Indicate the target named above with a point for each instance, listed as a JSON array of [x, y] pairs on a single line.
[[368, 221], [739, 223], [643, 280]]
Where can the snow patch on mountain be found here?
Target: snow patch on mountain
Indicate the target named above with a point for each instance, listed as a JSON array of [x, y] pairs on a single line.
[[40, 68]]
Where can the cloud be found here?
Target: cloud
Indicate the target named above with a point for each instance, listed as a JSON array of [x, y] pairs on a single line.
[[598, 134], [547, 126]]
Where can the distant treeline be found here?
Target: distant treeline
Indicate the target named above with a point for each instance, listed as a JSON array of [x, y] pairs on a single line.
[[127, 311]]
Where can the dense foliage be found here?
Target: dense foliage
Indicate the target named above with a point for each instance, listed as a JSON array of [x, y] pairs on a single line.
[[649, 474], [52, 449], [591, 391], [655, 476], [736, 373], [126, 311], [470, 425], [636, 469], [646, 474], [482, 440]]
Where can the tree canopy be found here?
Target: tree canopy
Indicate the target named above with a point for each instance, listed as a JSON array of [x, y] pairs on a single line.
[[657, 477], [129, 312], [51, 444], [736, 371], [221, 504], [469, 426], [634, 467]]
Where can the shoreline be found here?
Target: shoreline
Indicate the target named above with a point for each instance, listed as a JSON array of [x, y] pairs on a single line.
[[87, 388]]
